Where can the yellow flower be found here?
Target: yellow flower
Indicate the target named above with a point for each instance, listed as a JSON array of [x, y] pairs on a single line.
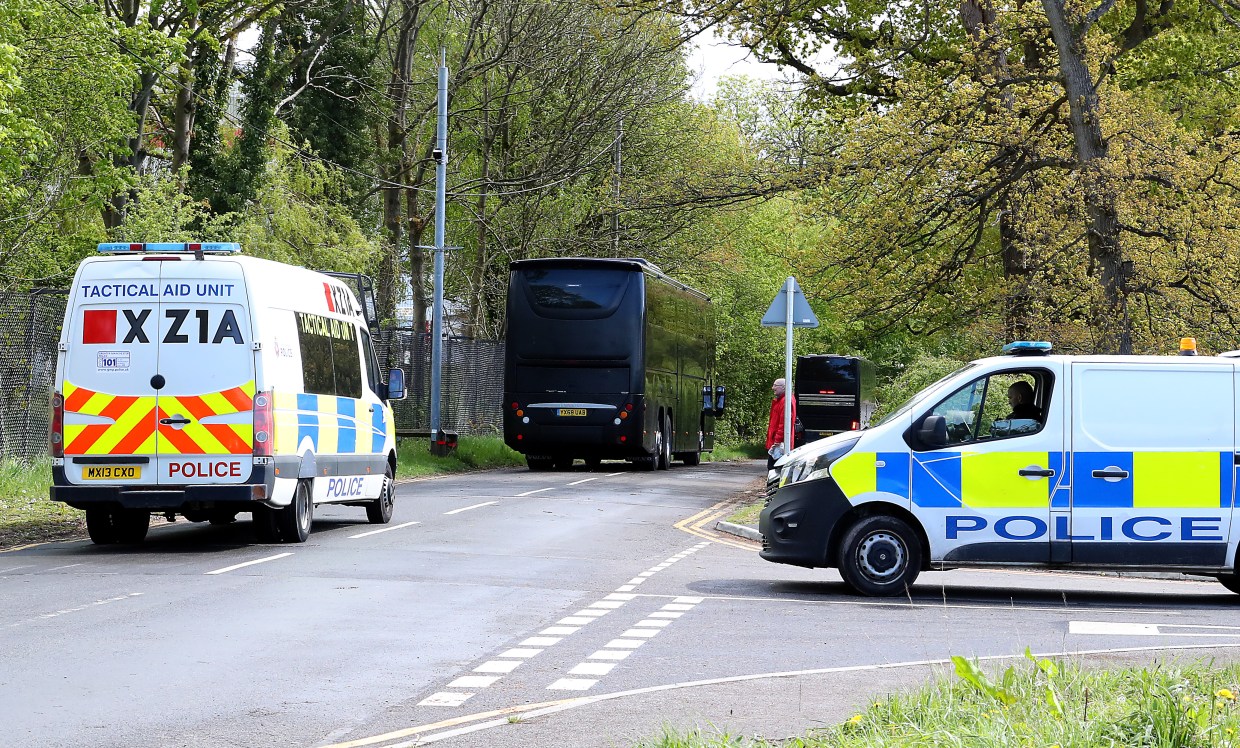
[[855, 719], [1225, 693]]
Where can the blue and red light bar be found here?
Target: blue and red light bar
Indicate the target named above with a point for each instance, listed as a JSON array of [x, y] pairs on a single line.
[[212, 247]]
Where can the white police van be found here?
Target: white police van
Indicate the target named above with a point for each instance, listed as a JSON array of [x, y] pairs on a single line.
[[193, 380], [1120, 462]]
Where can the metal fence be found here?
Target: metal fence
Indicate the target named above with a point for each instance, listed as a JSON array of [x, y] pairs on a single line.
[[471, 391]]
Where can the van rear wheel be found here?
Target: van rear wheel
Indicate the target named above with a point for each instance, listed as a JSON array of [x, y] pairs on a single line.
[[108, 526], [295, 519], [880, 556], [266, 530], [1231, 582], [379, 511]]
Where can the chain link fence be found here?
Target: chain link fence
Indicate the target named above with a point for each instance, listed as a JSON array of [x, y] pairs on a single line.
[[29, 330], [471, 391]]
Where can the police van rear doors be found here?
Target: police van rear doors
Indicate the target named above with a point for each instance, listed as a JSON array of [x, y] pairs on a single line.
[[1153, 471]]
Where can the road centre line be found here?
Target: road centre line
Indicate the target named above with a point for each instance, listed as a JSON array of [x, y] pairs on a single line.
[[384, 529], [65, 611], [1116, 628], [905, 604], [66, 566], [467, 508], [15, 568], [612, 475], [535, 711], [540, 490], [234, 567], [584, 480]]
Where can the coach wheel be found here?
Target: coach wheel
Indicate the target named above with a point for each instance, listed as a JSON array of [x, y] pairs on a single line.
[[665, 449], [539, 463], [295, 519], [691, 458], [563, 463], [593, 463], [880, 556], [379, 511]]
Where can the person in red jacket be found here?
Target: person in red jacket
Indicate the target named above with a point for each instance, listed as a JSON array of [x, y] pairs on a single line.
[[775, 426]]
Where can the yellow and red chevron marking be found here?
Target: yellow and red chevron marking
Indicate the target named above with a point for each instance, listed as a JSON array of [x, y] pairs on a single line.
[[135, 427]]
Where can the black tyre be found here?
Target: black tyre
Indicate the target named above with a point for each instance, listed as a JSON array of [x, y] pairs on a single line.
[[100, 526], [691, 458], [131, 525], [665, 447], [1231, 582], [295, 519], [379, 511], [563, 463], [266, 530], [223, 518], [880, 556], [593, 463], [539, 464]]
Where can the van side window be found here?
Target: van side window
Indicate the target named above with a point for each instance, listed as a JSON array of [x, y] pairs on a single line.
[[372, 367], [1003, 405], [316, 362], [348, 365]]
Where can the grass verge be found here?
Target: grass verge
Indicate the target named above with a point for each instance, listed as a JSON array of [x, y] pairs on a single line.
[[414, 458], [1036, 703], [27, 515]]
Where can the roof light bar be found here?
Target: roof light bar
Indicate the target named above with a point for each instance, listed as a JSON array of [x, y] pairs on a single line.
[[1027, 348], [213, 247]]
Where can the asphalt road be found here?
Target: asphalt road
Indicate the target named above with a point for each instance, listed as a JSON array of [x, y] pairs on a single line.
[[523, 609]]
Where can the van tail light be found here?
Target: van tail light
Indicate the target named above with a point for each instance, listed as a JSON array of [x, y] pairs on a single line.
[[264, 425], [56, 439], [855, 425]]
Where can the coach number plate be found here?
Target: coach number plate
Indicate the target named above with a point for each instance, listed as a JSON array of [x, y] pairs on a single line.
[[571, 411]]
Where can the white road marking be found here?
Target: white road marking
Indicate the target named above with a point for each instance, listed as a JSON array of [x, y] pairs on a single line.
[[385, 529], [652, 622], [571, 684], [620, 596], [66, 611], [624, 643], [610, 654], [612, 475], [445, 699], [692, 600], [613, 604], [575, 621], [621, 588], [1115, 628], [592, 612], [467, 508], [520, 653], [592, 668], [497, 666], [473, 681], [540, 490], [234, 567], [637, 580], [15, 568], [645, 574], [639, 633], [665, 614], [674, 606], [584, 480], [66, 566], [541, 641], [560, 630]]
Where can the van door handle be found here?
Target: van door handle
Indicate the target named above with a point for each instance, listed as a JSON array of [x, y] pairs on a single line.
[[181, 421], [1034, 471], [1110, 473]]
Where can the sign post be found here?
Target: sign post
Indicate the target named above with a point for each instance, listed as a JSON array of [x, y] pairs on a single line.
[[789, 310]]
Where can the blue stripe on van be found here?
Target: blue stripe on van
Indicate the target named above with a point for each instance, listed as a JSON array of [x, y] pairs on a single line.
[[1059, 485], [378, 426], [346, 419], [936, 481], [1226, 479], [893, 475], [1088, 491]]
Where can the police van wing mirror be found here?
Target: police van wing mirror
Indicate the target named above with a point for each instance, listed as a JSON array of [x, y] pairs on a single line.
[[720, 398], [933, 431], [396, 384]]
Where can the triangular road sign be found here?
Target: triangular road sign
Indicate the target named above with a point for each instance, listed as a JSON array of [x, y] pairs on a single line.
[[777, 314]]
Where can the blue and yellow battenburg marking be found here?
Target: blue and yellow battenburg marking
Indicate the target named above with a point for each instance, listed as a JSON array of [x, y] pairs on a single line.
[[1181, 480], [331, 423]]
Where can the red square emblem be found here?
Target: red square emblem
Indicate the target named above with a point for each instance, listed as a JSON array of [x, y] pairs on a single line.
[[99, 326]]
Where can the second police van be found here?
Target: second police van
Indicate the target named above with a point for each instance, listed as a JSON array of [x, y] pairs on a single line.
[[1119, 462], [193, 380]]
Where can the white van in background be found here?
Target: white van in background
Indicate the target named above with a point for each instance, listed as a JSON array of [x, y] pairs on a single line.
[[192, 380], [1116, 462]]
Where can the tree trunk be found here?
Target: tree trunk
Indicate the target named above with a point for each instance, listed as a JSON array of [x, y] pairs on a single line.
[[1102, 230]]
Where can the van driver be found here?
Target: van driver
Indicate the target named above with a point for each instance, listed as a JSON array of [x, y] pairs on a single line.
[[1020, 397]]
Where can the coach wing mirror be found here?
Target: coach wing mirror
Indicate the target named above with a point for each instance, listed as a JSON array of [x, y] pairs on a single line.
[[933, 431], [719, 400], [396, 384]]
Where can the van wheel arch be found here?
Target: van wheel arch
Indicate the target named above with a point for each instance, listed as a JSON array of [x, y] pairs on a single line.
[[831, 552], [308, 468]]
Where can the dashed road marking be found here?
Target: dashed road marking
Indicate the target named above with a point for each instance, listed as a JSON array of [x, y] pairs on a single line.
[[15, 568], [467, 508], [540, 490], [498, 666], [473, 681], [519, 653], [66, 566], [445, 699], [584, 480], [541, 641], [384, 529], [625, 643], [592, 668], [572, 684], [560, 630], [79, 608], [610, 654], [234, 567]]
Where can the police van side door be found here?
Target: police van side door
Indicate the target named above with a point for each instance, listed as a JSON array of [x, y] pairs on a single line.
[[1152, 463], [984, 486]]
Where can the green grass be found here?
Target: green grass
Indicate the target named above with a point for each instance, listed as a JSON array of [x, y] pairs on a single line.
[[729, 452], [1036, 703], [414, 457], [27, 515]]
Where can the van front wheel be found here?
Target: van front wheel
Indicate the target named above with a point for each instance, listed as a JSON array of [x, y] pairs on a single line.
[[1230, 581], [379, 511], [880, 556], [295, 519]]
